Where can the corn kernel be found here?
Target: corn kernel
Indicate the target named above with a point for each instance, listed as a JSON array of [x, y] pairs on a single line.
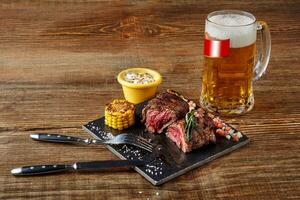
[[119, 114]]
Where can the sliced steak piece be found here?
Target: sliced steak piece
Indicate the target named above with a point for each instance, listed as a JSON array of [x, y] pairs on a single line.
[[163, 110], [202, 134]]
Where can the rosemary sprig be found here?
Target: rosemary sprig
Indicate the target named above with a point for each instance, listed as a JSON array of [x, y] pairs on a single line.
[[190, 124]]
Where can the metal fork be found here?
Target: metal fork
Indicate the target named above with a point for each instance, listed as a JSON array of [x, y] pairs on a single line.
[[124, 138]]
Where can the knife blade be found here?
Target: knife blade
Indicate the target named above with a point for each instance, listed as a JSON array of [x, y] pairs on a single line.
[[78, 166]]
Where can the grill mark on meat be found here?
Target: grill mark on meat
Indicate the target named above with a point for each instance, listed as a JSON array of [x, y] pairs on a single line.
[[166, 102], [202, 134], [167, 110], [166, 125], [157, 120], [144, 112]]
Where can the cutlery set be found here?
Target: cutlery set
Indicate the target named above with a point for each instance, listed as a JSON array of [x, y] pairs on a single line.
[[124, 138]]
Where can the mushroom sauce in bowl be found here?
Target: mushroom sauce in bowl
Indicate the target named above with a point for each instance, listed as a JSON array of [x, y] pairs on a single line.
[[138, 78], [139, 84]]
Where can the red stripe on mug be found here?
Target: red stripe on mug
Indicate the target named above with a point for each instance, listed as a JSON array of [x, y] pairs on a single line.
[[216, 48]]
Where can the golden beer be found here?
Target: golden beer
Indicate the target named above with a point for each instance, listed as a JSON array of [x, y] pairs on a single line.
[[227, 81], [229, 66]]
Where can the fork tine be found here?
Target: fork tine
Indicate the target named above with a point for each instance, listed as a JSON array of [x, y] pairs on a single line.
[[135, 140], [129, 141], [138, 139], [133, 135], [145, 148], [138, 144], [146, 143], [144, 139]]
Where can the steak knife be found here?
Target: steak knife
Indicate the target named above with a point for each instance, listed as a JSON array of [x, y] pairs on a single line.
[[78, 166]]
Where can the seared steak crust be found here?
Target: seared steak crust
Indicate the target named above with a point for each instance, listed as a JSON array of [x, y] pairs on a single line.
[[163, 110], [202, 134]]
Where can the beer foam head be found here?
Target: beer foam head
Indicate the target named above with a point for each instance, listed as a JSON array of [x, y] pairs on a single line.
[[239, 28]]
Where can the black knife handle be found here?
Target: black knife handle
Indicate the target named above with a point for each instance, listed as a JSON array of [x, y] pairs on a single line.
[[40, 169], [58, 138], [106, 164]]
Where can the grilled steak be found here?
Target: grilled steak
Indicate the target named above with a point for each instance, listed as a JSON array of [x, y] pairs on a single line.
[[163, 110], [202, 133]]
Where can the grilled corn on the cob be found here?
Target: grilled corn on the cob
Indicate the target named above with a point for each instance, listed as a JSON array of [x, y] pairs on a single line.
[[119, 114]]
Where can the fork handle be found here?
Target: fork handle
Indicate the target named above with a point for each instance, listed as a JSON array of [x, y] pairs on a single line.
[[58, 138]]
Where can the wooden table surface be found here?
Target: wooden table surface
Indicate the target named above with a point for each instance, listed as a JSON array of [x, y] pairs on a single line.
[[58, 66]]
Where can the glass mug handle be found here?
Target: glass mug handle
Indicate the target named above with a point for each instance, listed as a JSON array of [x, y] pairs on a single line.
[[264, 50]]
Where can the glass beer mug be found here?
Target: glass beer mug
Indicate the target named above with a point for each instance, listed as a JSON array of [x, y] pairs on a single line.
[[230, 61]]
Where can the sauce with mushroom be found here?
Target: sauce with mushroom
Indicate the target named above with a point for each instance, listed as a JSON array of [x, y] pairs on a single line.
[[138, 78]]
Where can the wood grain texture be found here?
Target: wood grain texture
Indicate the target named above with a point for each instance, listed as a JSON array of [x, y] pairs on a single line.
[[58, 63]]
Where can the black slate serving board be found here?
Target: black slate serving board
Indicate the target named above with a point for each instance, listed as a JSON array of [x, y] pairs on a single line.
[[165, 164]]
